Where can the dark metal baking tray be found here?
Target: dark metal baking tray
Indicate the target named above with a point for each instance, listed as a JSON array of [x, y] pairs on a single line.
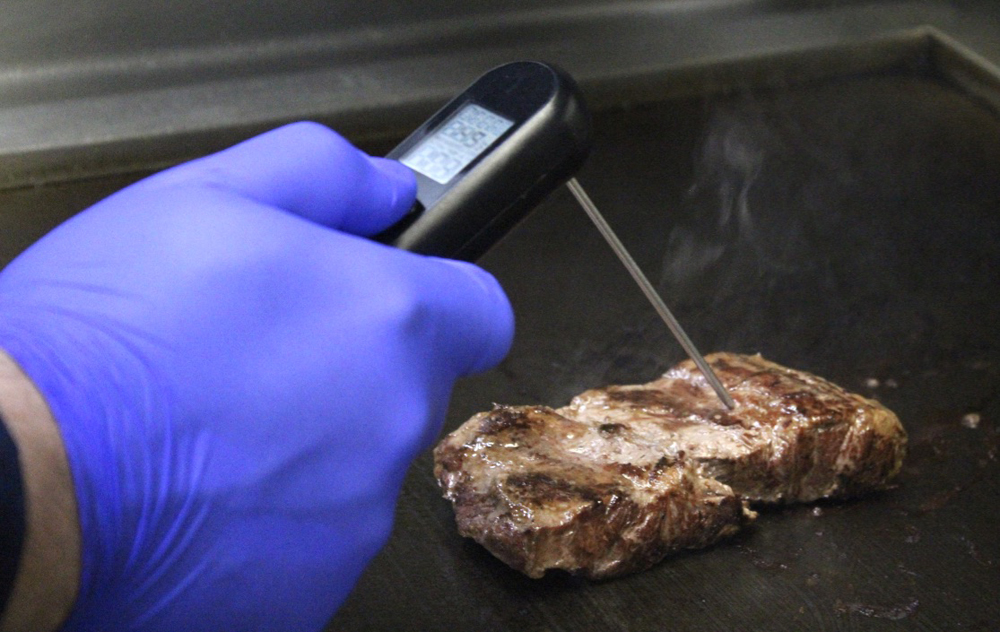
[[835, 210]]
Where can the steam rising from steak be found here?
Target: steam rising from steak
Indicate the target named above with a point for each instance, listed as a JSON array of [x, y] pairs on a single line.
[[625, 475]]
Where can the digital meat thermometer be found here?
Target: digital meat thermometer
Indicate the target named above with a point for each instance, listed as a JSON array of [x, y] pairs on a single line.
[[488, 157], [492, 154]]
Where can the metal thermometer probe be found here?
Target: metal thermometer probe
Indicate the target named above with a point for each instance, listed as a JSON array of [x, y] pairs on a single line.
[[490, 155], [648, 289]]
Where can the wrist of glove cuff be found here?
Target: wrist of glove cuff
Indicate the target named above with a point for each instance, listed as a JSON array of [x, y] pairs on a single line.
[[93, 397]]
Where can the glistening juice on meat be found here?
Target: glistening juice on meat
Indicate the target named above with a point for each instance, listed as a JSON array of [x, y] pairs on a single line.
[[625, 475]]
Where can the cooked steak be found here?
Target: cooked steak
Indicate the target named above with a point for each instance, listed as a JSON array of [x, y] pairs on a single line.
[[625, 475], [541, 490], [793, 437]]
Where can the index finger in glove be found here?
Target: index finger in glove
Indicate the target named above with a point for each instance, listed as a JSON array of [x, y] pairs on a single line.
[[479, 325], [311, 171]]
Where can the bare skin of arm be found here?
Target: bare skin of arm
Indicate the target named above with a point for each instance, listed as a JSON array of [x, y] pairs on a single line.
[[49, 571]]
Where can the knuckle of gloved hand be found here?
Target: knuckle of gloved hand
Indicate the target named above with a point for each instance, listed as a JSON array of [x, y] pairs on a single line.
[[310, 146], [315, 136], [161, 189], [405, 307]]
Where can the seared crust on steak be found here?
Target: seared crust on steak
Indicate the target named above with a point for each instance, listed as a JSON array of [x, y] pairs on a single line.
[[542, 491], [625, 475], [793, 436]]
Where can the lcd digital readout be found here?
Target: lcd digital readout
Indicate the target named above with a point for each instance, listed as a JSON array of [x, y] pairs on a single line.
[[466, 135]]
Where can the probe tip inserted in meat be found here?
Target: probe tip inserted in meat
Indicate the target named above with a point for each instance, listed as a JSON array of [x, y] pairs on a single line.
[[650, 292]]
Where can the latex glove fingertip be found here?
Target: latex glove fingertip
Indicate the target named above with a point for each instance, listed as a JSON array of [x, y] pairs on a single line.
[[495, 319]]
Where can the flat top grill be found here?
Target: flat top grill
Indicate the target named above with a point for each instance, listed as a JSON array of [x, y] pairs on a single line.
[[846, 226]]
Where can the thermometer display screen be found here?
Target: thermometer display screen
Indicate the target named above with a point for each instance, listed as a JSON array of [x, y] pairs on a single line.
[[463, 137]]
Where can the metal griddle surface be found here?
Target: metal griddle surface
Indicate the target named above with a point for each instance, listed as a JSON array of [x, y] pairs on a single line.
[[849, 228]]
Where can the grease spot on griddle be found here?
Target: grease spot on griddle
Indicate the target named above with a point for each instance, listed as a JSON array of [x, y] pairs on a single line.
[[971, 420], [892, 613], [940, 499]]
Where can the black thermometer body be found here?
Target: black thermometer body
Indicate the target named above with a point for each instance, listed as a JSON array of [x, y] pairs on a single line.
[[489, 157]]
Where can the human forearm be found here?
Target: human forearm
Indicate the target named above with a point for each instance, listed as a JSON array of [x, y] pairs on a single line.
[[49, 570]]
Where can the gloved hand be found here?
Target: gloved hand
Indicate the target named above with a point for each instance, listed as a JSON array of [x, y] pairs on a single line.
[[241, 380]]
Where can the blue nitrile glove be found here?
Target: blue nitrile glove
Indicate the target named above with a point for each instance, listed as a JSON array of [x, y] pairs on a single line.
[[240, 380]]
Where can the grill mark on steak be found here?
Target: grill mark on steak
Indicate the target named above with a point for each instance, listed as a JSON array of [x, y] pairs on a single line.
[[625, 475], [541, 489], [503, 418]]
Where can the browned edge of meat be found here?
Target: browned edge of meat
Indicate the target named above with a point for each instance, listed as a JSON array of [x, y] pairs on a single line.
[[525, 484], [792, 437], [625, 475]]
